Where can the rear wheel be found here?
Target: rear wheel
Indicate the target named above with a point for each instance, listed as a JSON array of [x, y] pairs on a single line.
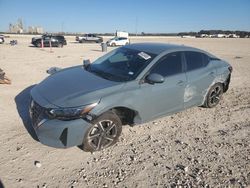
[[113, 45], [38, 44], [103, 133], [214, 96]]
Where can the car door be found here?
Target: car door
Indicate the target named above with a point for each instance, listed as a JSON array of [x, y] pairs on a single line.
[[167, 97], [91, 37], [94, 38], [199, 78], [46, 40], [88, 37], [124, 41], [119, 41], [54, 41]]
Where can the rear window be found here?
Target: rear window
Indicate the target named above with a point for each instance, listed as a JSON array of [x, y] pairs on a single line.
[[195, 60]]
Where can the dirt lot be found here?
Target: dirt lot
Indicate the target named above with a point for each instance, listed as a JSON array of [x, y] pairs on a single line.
[[195, 148]]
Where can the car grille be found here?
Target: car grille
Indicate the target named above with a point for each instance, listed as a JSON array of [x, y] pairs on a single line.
[[36, 112]]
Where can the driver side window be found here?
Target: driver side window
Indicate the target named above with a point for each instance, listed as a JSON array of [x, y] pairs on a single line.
[[168, 65], [47, 38]]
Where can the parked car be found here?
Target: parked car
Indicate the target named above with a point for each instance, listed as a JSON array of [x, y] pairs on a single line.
[[60, 37], [1, 39], [56, 41], [87, 105], [118, 41], [89, 38]]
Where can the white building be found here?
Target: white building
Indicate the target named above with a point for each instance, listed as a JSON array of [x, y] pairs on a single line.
[[35, 30]]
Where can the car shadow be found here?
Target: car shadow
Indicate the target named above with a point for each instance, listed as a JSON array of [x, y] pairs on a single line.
[[97, 50], [75, 42], [1, 184], [31, 46], [22, 101]]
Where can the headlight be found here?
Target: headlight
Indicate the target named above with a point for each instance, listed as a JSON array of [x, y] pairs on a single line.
[[70, 113]]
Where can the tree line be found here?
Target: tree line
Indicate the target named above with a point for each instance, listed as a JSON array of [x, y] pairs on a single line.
[[241, 34]]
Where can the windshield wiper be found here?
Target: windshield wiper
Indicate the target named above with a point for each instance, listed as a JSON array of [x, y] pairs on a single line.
[[107, 76]]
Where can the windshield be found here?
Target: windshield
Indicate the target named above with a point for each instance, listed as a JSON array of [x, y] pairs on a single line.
[[121, 64]]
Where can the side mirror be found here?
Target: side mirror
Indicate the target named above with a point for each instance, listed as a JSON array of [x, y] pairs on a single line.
[[86, 63], [155, 78]]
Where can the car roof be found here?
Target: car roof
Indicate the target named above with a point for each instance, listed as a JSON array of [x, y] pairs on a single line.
[[157, 48]]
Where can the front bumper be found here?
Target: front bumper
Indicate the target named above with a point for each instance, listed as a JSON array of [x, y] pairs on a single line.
[[62, 134], [57, 133]]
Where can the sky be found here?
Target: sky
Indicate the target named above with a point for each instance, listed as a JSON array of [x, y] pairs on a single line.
[[134, 16]]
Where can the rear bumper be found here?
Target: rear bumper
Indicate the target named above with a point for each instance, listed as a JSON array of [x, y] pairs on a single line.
[[62, 134], [226, 84]]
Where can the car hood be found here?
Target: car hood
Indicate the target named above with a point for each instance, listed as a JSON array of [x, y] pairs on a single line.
[[73, 87]]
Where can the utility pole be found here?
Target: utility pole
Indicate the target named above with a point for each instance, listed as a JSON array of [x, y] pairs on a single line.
[[62, 25], [136, 25]]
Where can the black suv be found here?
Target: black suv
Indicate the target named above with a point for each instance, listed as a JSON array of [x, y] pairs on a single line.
[[55, 40]]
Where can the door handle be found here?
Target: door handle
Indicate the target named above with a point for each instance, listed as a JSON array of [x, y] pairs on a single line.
[[180, 82]]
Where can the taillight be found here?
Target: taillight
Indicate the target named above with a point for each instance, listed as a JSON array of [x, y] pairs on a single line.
[[230, 68]]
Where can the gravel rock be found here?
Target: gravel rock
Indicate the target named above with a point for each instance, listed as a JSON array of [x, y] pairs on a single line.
[[37, 164]]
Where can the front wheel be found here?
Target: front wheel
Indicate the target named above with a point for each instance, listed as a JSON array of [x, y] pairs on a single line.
[[60, 45], [82, 41], [214, 96], [103, 133], [38, 44]]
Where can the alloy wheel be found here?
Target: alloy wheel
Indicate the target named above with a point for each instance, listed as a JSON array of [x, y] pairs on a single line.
[[215, 95], [102, 134]]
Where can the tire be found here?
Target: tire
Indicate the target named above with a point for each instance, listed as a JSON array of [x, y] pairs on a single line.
[[82, 41], [126, 43], [214, 96], [113, 45], [59, 45], [103, 133], [39, 45]]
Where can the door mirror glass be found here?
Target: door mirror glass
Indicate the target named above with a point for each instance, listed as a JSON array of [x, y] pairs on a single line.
[[155, 78]]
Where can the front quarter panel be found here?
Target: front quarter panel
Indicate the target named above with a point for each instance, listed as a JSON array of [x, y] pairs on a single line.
[[126, 97]]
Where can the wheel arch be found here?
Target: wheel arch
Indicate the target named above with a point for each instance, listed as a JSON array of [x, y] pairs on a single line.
[[128, 116]]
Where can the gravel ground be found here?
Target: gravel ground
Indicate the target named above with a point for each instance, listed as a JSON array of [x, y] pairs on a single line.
[[195, 148]]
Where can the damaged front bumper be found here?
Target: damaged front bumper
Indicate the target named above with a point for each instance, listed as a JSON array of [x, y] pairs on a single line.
[[62, 134], [57, 133]]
